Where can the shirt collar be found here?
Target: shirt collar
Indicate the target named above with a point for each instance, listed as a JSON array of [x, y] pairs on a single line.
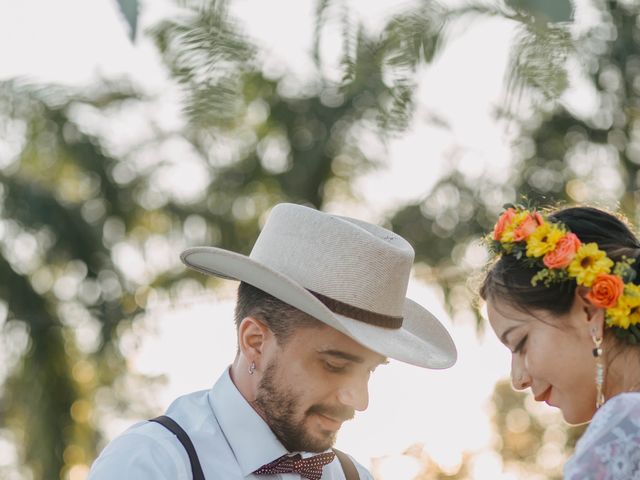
[[250, 438]]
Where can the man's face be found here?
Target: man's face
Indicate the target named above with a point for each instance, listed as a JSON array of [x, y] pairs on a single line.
[[313, 383]]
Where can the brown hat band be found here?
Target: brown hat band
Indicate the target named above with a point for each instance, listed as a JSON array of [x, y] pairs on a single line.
[[356, 313]]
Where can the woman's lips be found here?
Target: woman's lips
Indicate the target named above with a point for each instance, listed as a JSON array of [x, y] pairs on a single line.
[[543, 396]]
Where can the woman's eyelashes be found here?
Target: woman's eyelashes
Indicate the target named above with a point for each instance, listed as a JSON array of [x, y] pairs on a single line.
[[520, 345]]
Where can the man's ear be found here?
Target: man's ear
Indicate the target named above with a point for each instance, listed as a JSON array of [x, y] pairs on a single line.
[[252, 335], [594, 316]]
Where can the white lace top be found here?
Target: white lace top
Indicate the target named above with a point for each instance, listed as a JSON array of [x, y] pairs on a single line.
[[610, 447]]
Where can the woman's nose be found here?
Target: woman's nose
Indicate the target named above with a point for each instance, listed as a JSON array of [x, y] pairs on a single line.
[[520, 378]]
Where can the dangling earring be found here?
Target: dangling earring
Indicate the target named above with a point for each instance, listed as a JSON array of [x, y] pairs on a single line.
[[597, 354], [252, 368]]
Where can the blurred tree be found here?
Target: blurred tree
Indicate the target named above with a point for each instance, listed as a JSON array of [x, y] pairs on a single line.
[[567, 152], [82, 217], [59, 281], [425, 466], [545, 10], [290, 140], [563, 153], [81, 210], [129, 9], [531, 439]]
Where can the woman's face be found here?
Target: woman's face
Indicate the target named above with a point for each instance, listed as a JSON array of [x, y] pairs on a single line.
[[551, 355]]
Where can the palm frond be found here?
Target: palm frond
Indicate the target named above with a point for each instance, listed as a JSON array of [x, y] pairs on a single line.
[[207, 53], [538, 62]]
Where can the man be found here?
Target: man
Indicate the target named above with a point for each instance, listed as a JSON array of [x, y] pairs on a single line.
[[321, 304]]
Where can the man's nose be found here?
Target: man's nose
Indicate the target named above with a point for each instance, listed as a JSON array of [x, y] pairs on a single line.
[[355, 394]]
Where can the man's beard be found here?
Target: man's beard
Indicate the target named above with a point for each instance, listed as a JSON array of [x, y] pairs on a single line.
[[279, 406]]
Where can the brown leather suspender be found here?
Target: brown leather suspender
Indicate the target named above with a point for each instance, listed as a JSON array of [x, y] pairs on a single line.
[[348, 467]]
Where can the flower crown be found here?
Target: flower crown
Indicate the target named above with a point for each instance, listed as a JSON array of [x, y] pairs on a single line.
[[560, 256]]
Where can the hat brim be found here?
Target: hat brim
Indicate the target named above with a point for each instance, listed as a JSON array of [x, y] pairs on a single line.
[[422, 340]]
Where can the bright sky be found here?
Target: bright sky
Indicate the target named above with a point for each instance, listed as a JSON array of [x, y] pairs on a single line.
[[73, 41]]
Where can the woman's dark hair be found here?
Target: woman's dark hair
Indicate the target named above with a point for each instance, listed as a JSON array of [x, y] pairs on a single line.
[[509, 279]]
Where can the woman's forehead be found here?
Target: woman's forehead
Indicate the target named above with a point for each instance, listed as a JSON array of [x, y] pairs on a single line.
[[505, 311], [503, 314]]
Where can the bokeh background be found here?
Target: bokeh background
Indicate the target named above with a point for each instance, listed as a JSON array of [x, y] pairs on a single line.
[[131, 129]]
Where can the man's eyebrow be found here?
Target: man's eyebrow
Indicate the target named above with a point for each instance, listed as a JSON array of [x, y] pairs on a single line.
[[342, 355], [348, 356], [505, 334]]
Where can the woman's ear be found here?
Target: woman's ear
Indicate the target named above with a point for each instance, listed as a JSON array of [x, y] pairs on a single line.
[[594, 316]]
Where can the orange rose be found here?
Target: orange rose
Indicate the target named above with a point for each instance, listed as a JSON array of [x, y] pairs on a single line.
[[564, 252], [505, 219], [605, 291], [527, 226]]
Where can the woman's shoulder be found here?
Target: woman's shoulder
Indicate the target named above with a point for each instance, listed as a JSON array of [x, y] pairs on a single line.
[[610, 447], [621, 410], [627, 399], [623, 404]]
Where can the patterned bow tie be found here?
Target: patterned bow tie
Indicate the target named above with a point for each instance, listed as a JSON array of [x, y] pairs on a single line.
[[310, 468]]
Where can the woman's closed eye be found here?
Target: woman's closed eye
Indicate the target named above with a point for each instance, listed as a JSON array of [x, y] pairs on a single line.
[[520, 345]]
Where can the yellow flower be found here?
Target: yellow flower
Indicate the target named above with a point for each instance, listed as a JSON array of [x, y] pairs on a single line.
[[627, 310], [508, 232], [543, 239], [588, 263]]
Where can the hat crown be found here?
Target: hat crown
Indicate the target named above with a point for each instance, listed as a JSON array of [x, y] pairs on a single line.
[[349, 260], [349, 274]]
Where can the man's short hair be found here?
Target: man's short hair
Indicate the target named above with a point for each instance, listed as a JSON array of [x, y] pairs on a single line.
[[281, 318]]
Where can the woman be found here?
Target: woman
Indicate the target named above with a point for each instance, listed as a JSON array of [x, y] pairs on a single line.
[[563, 296]]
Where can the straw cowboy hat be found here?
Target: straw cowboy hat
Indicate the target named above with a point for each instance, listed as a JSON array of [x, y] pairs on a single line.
[[347, 273]]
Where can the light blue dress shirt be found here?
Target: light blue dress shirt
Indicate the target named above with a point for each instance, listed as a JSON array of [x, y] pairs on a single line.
[[231, 439]]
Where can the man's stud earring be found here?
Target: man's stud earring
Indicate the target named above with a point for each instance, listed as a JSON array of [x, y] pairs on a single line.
[[252, 368]]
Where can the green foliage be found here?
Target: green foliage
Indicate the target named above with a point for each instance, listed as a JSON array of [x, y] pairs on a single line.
[[301, 143], [207, 53], [538, 61], [624, 269], [48, 189], [544, 11], [559, 157], [129, 9], [68, 193], [549, 276]]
